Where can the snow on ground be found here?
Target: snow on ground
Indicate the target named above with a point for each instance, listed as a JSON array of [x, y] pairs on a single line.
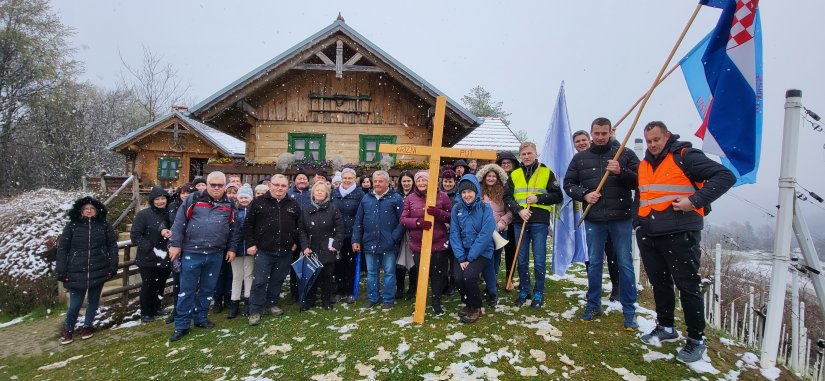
[[543, 328], [465, 371], [27, 221], [404, 321], [13, 321], [770, 373], [344, 328], [727, 342], [275, 349], [128, 324], [626, 374], [653, 355], [60, 364], [701, 366]]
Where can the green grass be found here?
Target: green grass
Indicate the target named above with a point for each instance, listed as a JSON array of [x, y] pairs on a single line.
[[37, 313], [305, 345]]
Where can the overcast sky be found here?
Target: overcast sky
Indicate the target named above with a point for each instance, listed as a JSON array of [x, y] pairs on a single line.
[[607, 52]]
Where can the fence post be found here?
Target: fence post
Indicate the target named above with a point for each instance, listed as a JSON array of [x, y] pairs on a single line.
[[127, 256], [717, 288], [103, 187]]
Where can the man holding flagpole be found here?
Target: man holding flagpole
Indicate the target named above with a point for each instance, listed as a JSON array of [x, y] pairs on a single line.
[[530, 194], [609, 215], [677, 183]]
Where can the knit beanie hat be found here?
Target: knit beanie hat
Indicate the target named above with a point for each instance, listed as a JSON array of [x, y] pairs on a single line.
[[448, 174], [421, 174], [464, 185], [246, 190], [198, 180]]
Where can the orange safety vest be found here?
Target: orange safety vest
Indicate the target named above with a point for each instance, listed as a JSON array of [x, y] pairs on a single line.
[[658, 188]]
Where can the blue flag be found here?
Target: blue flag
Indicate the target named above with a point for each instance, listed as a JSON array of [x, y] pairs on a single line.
[[569, 244]]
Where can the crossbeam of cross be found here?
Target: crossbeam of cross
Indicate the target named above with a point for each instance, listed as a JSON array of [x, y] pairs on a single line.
[[435, 153]]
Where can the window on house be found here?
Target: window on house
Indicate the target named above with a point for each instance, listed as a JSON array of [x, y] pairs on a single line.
[[308, 146], [168, 168], [368, 152]]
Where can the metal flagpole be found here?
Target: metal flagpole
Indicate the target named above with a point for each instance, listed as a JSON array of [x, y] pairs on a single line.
[[782, 243]]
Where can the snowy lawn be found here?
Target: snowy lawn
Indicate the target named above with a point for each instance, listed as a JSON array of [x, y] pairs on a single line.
[[350, 343]]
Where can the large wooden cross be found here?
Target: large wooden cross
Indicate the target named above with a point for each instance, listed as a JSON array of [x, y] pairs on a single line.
[[435, 152]]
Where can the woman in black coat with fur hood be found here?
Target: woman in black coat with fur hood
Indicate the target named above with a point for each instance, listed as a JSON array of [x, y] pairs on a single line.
[[87, 257], [151, 230]]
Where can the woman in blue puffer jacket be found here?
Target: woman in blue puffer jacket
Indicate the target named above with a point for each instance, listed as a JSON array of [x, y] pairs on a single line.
[[471, 237]]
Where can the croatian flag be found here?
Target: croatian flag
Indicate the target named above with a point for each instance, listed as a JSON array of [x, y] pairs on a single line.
[[569, 243], [724, 76]]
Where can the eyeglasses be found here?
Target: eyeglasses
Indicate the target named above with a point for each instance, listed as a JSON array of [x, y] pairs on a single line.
[[278, 185], [217, 186]]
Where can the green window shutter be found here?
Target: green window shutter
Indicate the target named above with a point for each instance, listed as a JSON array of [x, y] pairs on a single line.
[[168, 168], [369, 145], [308, 146]]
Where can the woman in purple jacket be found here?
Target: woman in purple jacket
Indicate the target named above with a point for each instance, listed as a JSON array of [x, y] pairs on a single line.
[[412, 218]]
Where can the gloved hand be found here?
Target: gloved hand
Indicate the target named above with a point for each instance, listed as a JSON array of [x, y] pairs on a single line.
[[424, 224], [438, 213]]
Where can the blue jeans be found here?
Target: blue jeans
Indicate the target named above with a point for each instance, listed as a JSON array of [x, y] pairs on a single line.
[[535, 233], [490, 273], [387, 262], [76, 302], [197, 272], [620, 234]]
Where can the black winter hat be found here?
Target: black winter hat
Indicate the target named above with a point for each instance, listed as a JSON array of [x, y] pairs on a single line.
[[198, 180], [506, 155], [466, 185], [462, 163]]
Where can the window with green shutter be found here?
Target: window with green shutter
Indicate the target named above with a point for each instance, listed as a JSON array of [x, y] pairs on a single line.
[[368, 152], [308, 146], [168, 168]]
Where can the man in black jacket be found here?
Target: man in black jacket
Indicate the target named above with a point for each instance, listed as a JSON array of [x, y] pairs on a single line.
[[271, 234], [677, 183], [609, 214], [530, 193]]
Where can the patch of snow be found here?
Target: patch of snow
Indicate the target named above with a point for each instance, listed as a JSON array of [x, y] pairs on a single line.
[[344, 328], [444, 345], [128, 324], [527, 372], [538, 355], [653, 355], [543, 328], [275, 349], [770, 373], [403, 347], [750, 359], [383, 355], [468, 347], [13, 321], [727, 342], [465, 371], [366, 371], [403, 321], [327, 377], [456, 336], [701, 366], [626, 374], [60, 364]]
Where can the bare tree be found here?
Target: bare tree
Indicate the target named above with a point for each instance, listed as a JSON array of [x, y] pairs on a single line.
[[155, 84]]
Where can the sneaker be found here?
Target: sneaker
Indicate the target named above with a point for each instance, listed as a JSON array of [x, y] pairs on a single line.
[[464, 311], [67, 337], [86, 333], [178, 334], [492, 300], [387, 306], [171, 318], [522, 298], [146, 319], [630, 326], [590, 314], [538, 300], [692, 351], [371, 304], [659, 335], [274, 311], [350, 299], [438, 310], [206, 324], [254, 319]]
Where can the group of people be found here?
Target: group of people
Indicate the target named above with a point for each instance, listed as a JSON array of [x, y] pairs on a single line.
[[226, 242]]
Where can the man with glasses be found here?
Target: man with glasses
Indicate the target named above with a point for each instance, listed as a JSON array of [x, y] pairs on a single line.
[[204, 233], [271, 233]]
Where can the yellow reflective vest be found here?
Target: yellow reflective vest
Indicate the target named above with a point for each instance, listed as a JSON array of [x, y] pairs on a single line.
[[538, 185]]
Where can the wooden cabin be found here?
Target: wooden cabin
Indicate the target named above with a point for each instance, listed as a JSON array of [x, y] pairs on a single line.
[[335, 93], [174, 149]]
